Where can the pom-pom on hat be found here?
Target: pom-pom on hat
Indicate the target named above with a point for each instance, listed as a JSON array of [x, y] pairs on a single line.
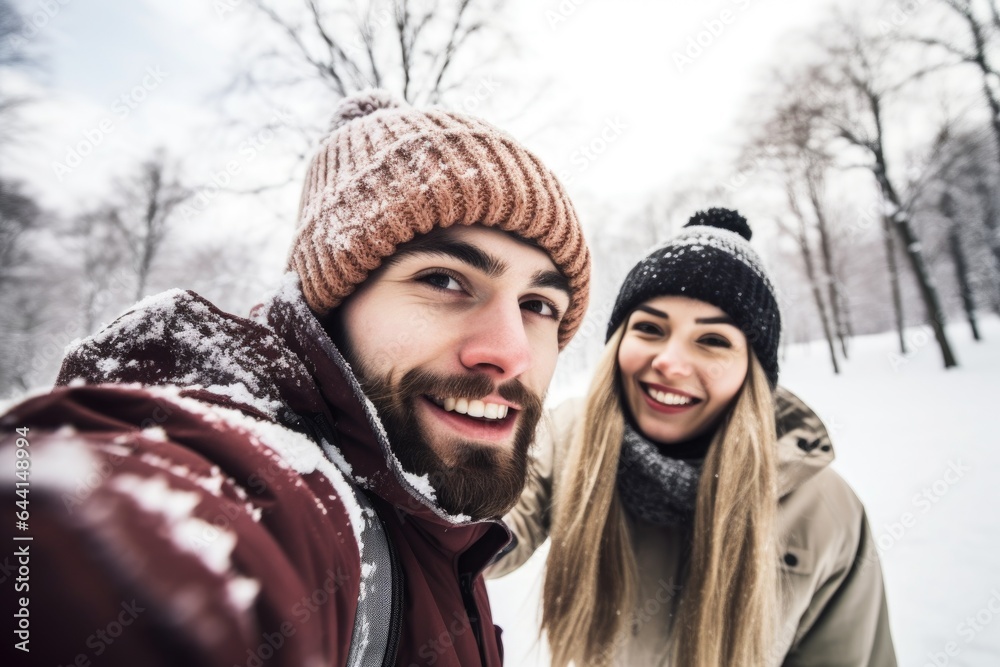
[[388, 172], [711, 260]]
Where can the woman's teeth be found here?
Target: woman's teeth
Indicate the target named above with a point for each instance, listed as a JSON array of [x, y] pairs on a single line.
[[668, 398], [464, 406]]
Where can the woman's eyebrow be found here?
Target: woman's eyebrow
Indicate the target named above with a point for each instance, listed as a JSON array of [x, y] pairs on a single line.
[[653, 311], [722, 319]]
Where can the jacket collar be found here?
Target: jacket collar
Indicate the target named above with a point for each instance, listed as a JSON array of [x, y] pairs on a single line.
[[346, 421]]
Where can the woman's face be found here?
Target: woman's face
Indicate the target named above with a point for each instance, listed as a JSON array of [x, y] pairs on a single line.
[[681, 363]]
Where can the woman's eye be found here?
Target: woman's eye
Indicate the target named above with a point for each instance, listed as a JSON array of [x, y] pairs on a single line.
[[646, 328], [543, 308], [441, 281], [715, 341]]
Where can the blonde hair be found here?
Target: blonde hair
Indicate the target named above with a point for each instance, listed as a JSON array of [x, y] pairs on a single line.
[[728, 607]]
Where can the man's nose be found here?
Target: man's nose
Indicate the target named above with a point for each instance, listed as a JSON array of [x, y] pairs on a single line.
[[497, 342]]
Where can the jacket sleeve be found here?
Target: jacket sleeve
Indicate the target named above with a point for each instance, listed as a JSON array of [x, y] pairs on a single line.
[[530, 519], [158, 534], [849, 617]]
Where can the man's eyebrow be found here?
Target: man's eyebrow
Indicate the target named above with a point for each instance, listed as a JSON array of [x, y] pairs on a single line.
[[552, 279], [464, 252]]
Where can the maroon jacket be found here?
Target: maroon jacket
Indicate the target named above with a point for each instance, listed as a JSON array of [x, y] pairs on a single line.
[[186, 515]]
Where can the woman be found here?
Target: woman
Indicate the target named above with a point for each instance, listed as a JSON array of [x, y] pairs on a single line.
[[683, 531]]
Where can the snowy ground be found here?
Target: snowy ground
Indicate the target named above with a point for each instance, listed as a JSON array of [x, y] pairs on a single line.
[[920, 447]]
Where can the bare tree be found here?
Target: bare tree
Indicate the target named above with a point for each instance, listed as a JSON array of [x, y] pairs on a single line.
[[144, 214], [13, 55], [964, 194], [801, 237], [949, 211], [19, 213], [24, 286], [97, 243], [861, 70], [793, 139], [981, 22], [419, 49]]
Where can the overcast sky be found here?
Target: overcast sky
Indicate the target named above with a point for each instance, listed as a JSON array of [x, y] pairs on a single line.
[[619, 71]]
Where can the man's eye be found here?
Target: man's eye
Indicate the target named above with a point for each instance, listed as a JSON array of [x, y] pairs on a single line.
[[715, 341], [543, 308], [441, 281]]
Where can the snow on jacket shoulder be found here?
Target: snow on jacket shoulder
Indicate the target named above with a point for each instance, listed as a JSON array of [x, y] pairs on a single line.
[[182, 511], [834, 611]]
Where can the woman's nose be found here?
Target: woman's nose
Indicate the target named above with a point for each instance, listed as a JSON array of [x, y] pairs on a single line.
[[673, 360]]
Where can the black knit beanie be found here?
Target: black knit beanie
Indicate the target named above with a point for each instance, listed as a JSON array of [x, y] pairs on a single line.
[[711, 261]]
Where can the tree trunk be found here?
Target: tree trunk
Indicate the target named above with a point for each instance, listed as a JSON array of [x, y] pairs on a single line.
[[897, 299], [926, 284], [962, 274], [901, 223], [845, 308], [820, 306], [803, 240], [829, 275], [991, 223]]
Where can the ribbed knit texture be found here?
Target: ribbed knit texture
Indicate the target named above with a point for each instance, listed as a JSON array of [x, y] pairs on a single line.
[[388, 172], [711, 260], [655, 487]]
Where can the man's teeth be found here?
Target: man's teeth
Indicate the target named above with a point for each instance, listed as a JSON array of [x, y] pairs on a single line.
[[668, 398], [464, 406]]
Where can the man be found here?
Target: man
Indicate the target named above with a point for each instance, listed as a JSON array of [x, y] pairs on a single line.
[[326, 476]]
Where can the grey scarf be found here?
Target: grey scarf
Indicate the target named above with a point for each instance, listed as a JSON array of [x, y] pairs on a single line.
[[654, 487]]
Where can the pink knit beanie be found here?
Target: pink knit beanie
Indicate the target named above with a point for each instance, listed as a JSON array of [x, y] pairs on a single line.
[[388, 172]]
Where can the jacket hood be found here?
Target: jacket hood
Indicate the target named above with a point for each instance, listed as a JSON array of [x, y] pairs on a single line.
[[804, 446], [279, 365]]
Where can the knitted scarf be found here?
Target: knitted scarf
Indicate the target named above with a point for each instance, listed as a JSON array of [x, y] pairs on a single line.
[[654, 487]]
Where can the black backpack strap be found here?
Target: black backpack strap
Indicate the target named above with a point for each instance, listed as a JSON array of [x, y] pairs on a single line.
[[378, 619]]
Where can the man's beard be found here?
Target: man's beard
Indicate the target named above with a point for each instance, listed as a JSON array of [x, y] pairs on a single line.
[[485, 481]]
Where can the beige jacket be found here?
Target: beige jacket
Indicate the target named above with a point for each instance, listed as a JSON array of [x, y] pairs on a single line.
[[834, 610]]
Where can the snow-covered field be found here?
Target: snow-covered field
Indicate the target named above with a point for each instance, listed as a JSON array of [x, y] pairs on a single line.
[[921, 447]]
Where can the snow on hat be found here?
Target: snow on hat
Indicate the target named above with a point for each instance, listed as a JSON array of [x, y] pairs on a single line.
[[388, 172], [711, 260]]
